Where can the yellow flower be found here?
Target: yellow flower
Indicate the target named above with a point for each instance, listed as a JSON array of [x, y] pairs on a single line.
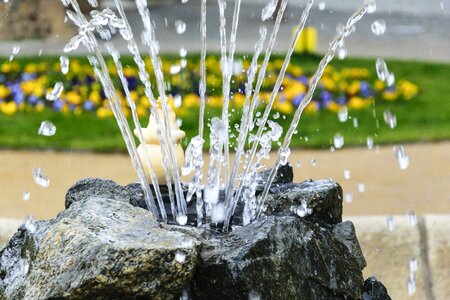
[[379, 85], [40, 107], [408, 89], [215, 101], [30, 68], [8, 108], [73, 98], [390, 95], [294, 89], [141, 111], [333, 106], [312, 107], [95, 97], [353, 88], [6, 68], [4, 91], [284, 107], [358, 103], [238, 99], [328, 83], [191, 100], [103, 112]]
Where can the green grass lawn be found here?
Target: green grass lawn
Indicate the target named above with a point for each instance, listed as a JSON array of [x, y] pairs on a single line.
[[425, 118]]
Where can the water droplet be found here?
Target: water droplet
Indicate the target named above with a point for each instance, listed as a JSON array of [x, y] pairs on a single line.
[[313, 162], [180, 257], [26, 196], [378, 27], [179, 122], [40, 178], [301, 210], [299, 164], [93, 3], [180, 26], [413, 265], [355, 122], [182, 219], [177, 100], [342, 53], [47, 128], [175, 69], [361, 187], [390, 80], [411, 284], [184, 1], [284, 155], [347, 174], [371, 6], [276, 115], [343, 114], [348, 197], [390, 223], [64, 61], [382, 70], [322, 5], [412, 218], [30, 225], [253, 295], [268, 10], [370, 143], [218, 213], [402, 157], [56, 92], [390, 119], [183, 52], [16, 49], [338, 140]]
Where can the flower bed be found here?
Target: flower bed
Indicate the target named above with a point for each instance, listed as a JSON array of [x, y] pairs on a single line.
[[24, 86]]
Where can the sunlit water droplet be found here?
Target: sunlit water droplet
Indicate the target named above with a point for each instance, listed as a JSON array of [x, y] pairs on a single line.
[[342, 53], [180, 257], [343, 114], [412, 218], [390, 119], [411, 284], [268, 10], [348, 198], [47, 128], [284, 155], [184, 1], [218, 213], [30, 225], [64, 61], [378, 27], [183, 52], [413, 265], [382, 70], [177, 100], [361, 187], [321, 5], [390, 223], [313, 162], [371, 6], [370, 143], [180, 26], [347, 174], [56, 92], [276, 115], [338, 140], [355, 122], [175, 69], [26, 196], [402, 157], [182, 219], [40, 178]]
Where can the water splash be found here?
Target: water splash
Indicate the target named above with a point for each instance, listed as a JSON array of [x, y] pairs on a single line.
[[47, 128], [401, 156], [40, 177], [378, 27], [56, 92]]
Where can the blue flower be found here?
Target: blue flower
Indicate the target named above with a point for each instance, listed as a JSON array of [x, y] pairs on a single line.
[[58, 105], [88, 105]]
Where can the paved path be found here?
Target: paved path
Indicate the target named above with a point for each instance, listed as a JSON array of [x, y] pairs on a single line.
[[422, 188], [415, 29]]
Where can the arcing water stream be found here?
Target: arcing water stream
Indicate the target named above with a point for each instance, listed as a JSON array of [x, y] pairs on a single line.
[[106, 23]]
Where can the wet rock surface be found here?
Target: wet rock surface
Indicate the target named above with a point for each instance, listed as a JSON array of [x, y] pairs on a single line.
[[374, 290], [97, 249], [102, 247]]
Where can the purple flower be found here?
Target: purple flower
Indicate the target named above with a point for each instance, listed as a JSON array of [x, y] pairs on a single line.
[[297, 100], [341, 100], [365, 89], [303, 79], [88, 105], [58, 105], [32, 100], [324, 99]]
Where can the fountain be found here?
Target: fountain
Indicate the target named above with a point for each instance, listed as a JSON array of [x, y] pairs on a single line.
[[251, 234]]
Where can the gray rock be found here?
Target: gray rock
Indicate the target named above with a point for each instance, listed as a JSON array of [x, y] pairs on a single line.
[[97, 249], [277, 258], [323, 197], [96, 188], [374, 290], [345, 233], [284, 174]]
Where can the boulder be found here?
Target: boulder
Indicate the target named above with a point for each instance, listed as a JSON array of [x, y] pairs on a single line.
[[97, 248], [345, 233], [277, 258], [374, 290], [321, 200]]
